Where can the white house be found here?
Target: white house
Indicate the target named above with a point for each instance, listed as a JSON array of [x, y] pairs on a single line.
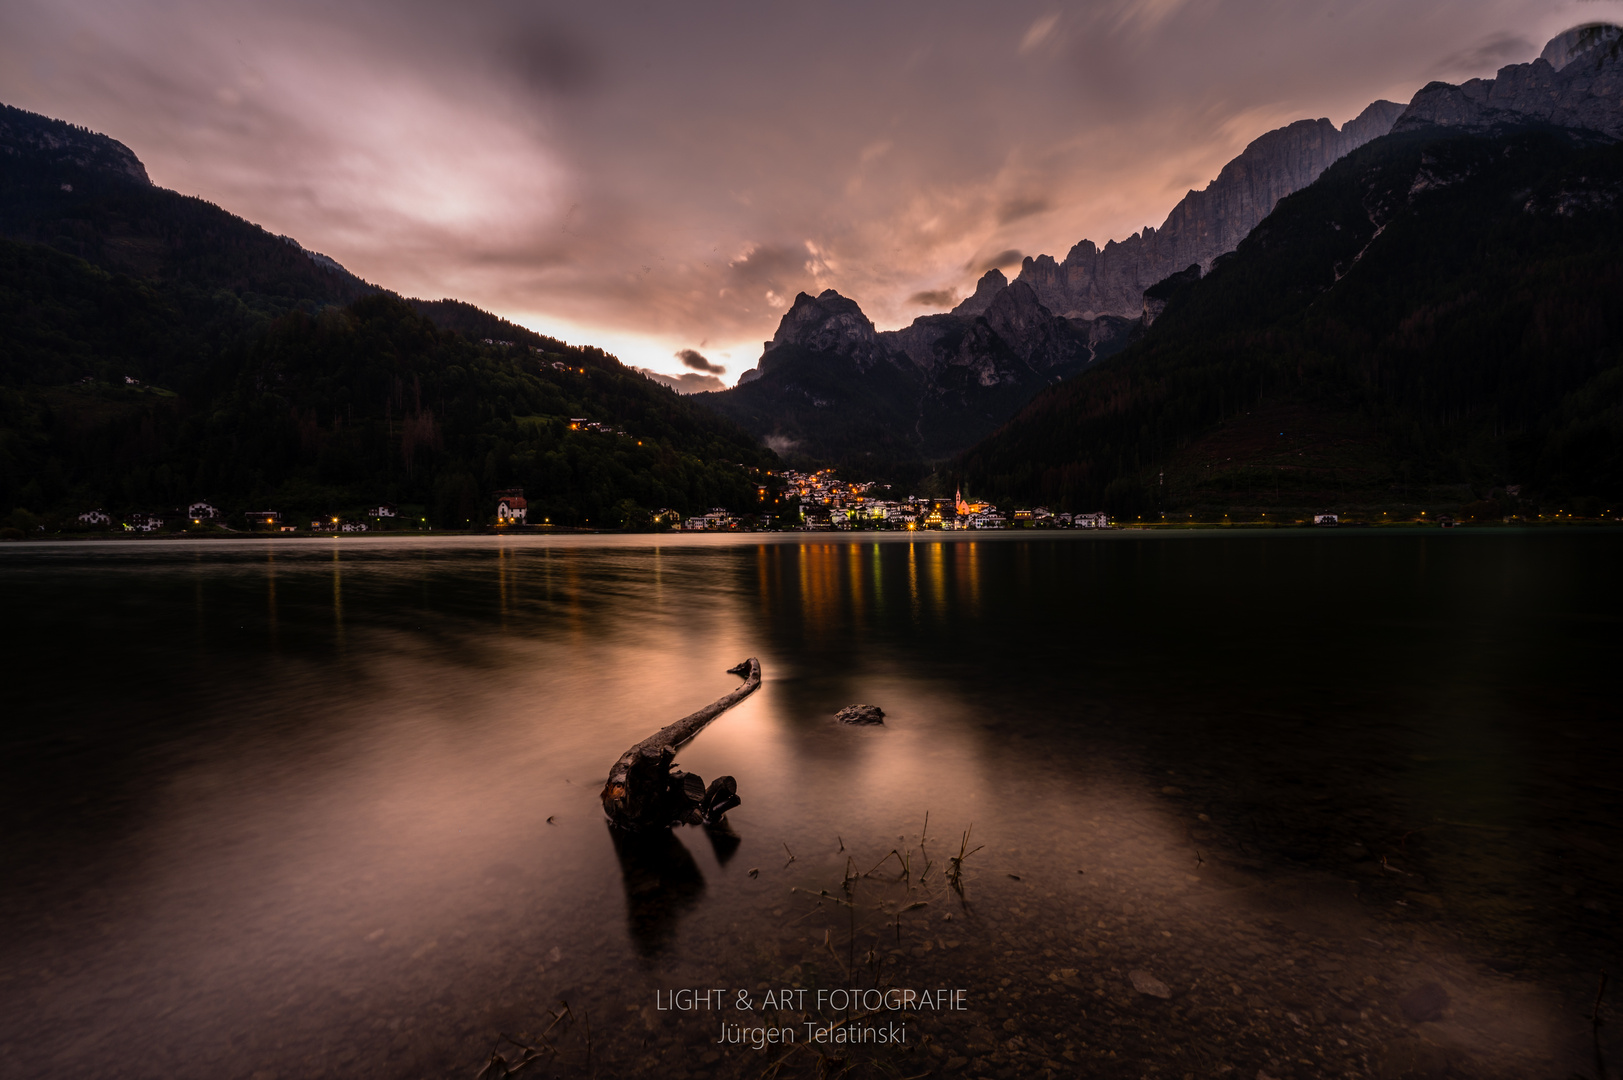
[[1090, 521], [717, 518], [354, 526], [202, 511], [383, 510], [1326, 519], [511, 510], [95, 517]]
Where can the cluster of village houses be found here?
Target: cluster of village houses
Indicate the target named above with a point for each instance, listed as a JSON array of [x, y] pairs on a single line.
[[827, 502]]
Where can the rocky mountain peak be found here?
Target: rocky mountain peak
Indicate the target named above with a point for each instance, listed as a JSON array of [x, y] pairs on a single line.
[[1577, 83], [1094, 281], [1015, 311], [1601, 38], [991, 283], [1371, 124], [828, 323]]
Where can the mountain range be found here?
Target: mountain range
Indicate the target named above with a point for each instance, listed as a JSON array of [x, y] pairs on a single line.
[[1418, 307], [1071, 346], [829, 387], [158, 350], [1436, 319]]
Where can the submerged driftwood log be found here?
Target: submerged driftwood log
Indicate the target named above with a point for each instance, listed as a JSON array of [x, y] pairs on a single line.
[[644, 792]]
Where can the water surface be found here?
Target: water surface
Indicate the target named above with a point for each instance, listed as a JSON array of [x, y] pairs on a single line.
[[329, 808]]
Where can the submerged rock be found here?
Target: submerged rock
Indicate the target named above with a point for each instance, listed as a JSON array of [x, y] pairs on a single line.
[[1145, 983], [861, 714]]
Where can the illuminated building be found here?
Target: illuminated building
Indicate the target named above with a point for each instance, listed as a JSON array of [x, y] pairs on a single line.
[[511, 509]]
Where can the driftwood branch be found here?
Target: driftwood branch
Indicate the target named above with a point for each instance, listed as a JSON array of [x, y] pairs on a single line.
[[643, 792]]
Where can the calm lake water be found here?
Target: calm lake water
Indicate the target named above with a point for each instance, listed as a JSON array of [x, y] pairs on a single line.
[[1285, 804]]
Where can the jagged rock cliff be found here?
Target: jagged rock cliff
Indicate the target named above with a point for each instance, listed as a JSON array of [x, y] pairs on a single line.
[[828, 323], [986, 290], [828, 380], [831, 387], [1094, 281], [1577, 83]]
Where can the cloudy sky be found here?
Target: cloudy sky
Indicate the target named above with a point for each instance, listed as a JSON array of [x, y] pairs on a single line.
[[661, 178]]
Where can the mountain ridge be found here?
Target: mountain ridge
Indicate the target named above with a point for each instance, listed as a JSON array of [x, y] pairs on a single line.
[[1110, 280], [960, 373], [159, 350], [830, 387], [1436, 312], [1576, 84]]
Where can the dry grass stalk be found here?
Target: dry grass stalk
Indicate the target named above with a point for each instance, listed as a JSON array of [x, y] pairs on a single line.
[[955, 875]]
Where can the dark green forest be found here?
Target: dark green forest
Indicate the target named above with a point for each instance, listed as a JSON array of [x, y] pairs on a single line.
[[1436, 314], [158, 350], [328, 410]]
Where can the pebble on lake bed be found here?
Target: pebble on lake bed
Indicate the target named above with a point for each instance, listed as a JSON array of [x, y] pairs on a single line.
[[1145, 983], [861, 714]]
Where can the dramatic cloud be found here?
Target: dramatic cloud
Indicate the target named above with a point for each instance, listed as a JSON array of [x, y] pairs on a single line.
[[691, 358], [1013, 210], [1489, 54], [645, 175], [687, 382], [935, 298], [1011, 257]]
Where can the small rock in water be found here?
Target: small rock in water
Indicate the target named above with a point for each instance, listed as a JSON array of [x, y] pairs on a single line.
[[1424, 1002], [861, 714], [1145, 983]]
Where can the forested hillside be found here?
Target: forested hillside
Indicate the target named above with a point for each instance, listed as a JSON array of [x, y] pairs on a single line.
[[158, 350], [326, 411]]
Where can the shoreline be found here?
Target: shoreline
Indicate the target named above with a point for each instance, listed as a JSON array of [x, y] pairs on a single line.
[[588, 538]]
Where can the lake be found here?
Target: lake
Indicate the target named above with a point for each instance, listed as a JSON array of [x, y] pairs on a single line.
[[1270, 803]]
